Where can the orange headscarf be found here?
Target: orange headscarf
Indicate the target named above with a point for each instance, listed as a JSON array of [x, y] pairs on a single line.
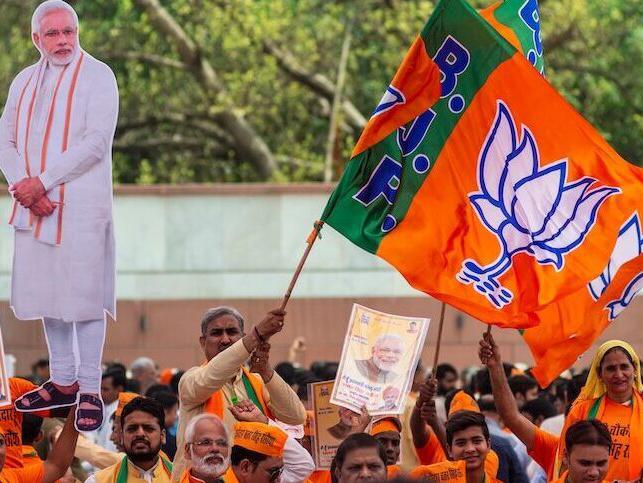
[[260, 438]]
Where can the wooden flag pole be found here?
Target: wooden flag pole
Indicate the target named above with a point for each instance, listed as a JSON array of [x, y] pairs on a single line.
[[439, 341], [310, 241]]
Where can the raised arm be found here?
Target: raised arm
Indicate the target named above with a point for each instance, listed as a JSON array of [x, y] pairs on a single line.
[[62, 454], [519, 425], [198, 384]]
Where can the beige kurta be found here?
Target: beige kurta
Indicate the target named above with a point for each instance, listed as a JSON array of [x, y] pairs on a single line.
[[75, 280]]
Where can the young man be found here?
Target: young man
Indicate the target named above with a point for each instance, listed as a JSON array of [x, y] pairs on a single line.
[[388, 432], [467, 437], [524, 388], [143, 433], [360, 457]]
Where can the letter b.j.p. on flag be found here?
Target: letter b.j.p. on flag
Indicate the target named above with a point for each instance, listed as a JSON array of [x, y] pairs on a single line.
[[485, 189]]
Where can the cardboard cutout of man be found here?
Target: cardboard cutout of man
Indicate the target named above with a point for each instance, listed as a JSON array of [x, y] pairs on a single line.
[[56, 135]]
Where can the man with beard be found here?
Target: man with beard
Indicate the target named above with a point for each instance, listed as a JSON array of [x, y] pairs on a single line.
[[207, 450], [56, 135], [142, 423], [386, 353]]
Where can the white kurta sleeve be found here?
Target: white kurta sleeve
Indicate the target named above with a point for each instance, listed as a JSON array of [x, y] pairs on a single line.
[[298, 464], [11, 163], [101, 117]]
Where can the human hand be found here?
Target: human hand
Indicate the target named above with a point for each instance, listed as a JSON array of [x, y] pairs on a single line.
[[246, 411], [272, 323], [260, 363], [488, 352], [427, 391], [42, 207], [429, 413], [27, 191]]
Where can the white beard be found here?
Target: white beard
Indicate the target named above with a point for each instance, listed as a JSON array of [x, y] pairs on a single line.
[[209, 469]]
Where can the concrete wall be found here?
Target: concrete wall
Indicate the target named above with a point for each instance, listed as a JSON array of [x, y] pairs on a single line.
[[182, 249]]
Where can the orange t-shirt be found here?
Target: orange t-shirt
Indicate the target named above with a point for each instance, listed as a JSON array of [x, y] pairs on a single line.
[[11, 423], [431, 452], [544, 450], [393, 470], [29, 474]]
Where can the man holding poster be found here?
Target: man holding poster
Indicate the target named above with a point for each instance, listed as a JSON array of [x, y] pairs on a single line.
[[378, 361]]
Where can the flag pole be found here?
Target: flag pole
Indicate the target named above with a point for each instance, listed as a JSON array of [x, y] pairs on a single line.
[[439, 341], [310, 241]]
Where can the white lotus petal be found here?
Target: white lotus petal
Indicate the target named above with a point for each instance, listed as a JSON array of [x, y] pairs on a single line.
[[514, 238], [569, 201], [583, 220], [522, 162], [489, 214], [539, 195], [501, 142]]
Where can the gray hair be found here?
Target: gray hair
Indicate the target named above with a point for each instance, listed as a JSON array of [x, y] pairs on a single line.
[[49, 6], [215, 313], [142, 363], [191, 427]]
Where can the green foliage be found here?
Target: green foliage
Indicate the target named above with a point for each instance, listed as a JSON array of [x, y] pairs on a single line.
[[168, 131]]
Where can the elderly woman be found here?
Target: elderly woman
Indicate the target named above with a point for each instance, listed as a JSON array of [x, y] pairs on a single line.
[[612, 395]]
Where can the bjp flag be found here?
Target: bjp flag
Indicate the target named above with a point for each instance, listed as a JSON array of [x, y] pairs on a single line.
[[485, 189], [453, 471]]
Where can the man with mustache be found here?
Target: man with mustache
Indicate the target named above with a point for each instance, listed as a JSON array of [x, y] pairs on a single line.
[[207, 450], [143, 433], [386, 353], [223, 381], [56, 135]]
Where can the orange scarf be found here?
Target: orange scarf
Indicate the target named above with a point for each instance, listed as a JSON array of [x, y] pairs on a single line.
[[215, 404]]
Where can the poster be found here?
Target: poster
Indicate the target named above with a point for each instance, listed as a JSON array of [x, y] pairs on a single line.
[[5, 395], [328, 428], [378, 361]]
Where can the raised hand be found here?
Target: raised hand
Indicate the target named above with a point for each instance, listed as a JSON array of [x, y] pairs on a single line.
[[427, 390], [272, 323], [260, 362], [489, 352]]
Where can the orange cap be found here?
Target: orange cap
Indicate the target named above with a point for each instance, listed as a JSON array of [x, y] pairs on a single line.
[[165, 377], [386, 424], [462, 401], [260, 438], [123, 399]]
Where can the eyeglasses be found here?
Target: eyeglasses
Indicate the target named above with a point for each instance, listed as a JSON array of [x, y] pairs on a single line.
[[210, 443]]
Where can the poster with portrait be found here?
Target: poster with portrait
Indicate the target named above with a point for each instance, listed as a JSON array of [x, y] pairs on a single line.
[[378, 361], [5, 395], [329, 429]]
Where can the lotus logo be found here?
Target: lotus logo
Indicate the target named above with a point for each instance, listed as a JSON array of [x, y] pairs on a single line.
[[629, 245], [529, 208]]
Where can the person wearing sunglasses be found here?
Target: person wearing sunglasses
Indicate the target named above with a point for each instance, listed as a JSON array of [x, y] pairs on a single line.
[[257, 454]]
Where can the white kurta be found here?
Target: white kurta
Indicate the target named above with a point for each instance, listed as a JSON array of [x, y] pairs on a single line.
[[75, 280]]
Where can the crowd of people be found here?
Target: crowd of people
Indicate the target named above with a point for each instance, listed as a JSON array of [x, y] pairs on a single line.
[[236, 418]]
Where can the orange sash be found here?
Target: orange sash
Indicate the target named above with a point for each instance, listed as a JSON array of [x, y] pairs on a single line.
[[215, 404]]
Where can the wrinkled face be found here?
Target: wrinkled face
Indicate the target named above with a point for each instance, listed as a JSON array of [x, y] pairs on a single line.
[[57, 37], [117, 435], [387, 353], [617, 372], [3, 451], [220, 334], [447, 383], [587, 463], [471, 446], [108, 391], [390, 440], [208, 451], [266, 471], [142, 436], [361, 464]]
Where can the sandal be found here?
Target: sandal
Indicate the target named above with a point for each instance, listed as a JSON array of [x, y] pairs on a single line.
[[54, 398], [94, 414]]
